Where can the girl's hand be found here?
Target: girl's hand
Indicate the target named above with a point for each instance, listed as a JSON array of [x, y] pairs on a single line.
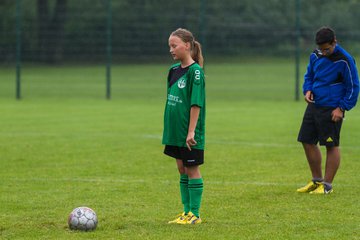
[[190, 141]]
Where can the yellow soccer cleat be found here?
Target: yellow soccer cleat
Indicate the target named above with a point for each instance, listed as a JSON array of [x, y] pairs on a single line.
[[321, 190], [180, 219], [308, 187], [192, 219]]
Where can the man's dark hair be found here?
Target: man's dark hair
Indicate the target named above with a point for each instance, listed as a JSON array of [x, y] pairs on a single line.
[[325, 35]]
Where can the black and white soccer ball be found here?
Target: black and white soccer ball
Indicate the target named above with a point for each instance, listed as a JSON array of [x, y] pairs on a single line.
[[82, 218]]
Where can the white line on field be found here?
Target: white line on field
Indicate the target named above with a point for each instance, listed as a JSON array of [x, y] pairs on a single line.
[[248, 144], [227, 142], [98, 180], [152, 136]]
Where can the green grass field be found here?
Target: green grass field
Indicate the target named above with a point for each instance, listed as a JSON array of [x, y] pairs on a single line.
[[63, 146]]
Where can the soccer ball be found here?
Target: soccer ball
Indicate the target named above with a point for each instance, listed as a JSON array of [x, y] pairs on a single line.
[[82, 218]]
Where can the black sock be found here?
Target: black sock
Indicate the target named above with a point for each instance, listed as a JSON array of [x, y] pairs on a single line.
[[327, 186], [315, 180]]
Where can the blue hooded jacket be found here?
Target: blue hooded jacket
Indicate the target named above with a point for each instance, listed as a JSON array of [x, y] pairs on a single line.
[[333, 79]]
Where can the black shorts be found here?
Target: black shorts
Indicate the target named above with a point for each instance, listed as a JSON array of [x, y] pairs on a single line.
[[317, 126], [190, 158]]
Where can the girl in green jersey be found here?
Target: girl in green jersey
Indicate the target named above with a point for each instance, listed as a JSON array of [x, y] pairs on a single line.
[[184, 121]]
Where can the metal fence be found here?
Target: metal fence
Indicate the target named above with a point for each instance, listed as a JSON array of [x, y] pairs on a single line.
[[106, 31]]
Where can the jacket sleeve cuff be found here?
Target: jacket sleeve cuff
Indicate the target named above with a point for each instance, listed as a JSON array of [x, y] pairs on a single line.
[[305, 90], [342, 107]]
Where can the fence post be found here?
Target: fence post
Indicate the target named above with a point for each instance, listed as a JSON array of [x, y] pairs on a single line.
[[202, 27], [108, 50], [18, 49], [297, 50]]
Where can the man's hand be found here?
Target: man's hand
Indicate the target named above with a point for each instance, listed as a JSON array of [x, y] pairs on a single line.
[[337, 114], [309, 97]]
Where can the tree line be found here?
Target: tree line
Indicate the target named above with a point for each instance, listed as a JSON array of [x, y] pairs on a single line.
[[62, 30]]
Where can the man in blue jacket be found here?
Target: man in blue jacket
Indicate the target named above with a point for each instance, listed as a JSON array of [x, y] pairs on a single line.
[[331, 87]]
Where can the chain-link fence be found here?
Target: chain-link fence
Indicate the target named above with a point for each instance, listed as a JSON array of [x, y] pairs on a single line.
[[100, 31]]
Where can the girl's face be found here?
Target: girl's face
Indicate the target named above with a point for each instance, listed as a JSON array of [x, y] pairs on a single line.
[[178, 48]]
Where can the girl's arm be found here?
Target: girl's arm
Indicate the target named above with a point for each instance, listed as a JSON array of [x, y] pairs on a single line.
[[194, 116]]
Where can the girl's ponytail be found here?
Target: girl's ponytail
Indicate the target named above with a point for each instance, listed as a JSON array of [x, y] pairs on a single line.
[[196, 53]]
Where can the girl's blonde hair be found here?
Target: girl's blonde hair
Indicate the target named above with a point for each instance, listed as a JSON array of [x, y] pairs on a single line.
[[187, 37]]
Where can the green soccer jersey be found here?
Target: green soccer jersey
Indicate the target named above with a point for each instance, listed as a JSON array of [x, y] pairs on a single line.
[[186, 88]]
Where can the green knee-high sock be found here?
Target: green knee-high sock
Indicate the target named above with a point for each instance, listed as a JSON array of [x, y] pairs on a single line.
[[196, 187], [184, 191]]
